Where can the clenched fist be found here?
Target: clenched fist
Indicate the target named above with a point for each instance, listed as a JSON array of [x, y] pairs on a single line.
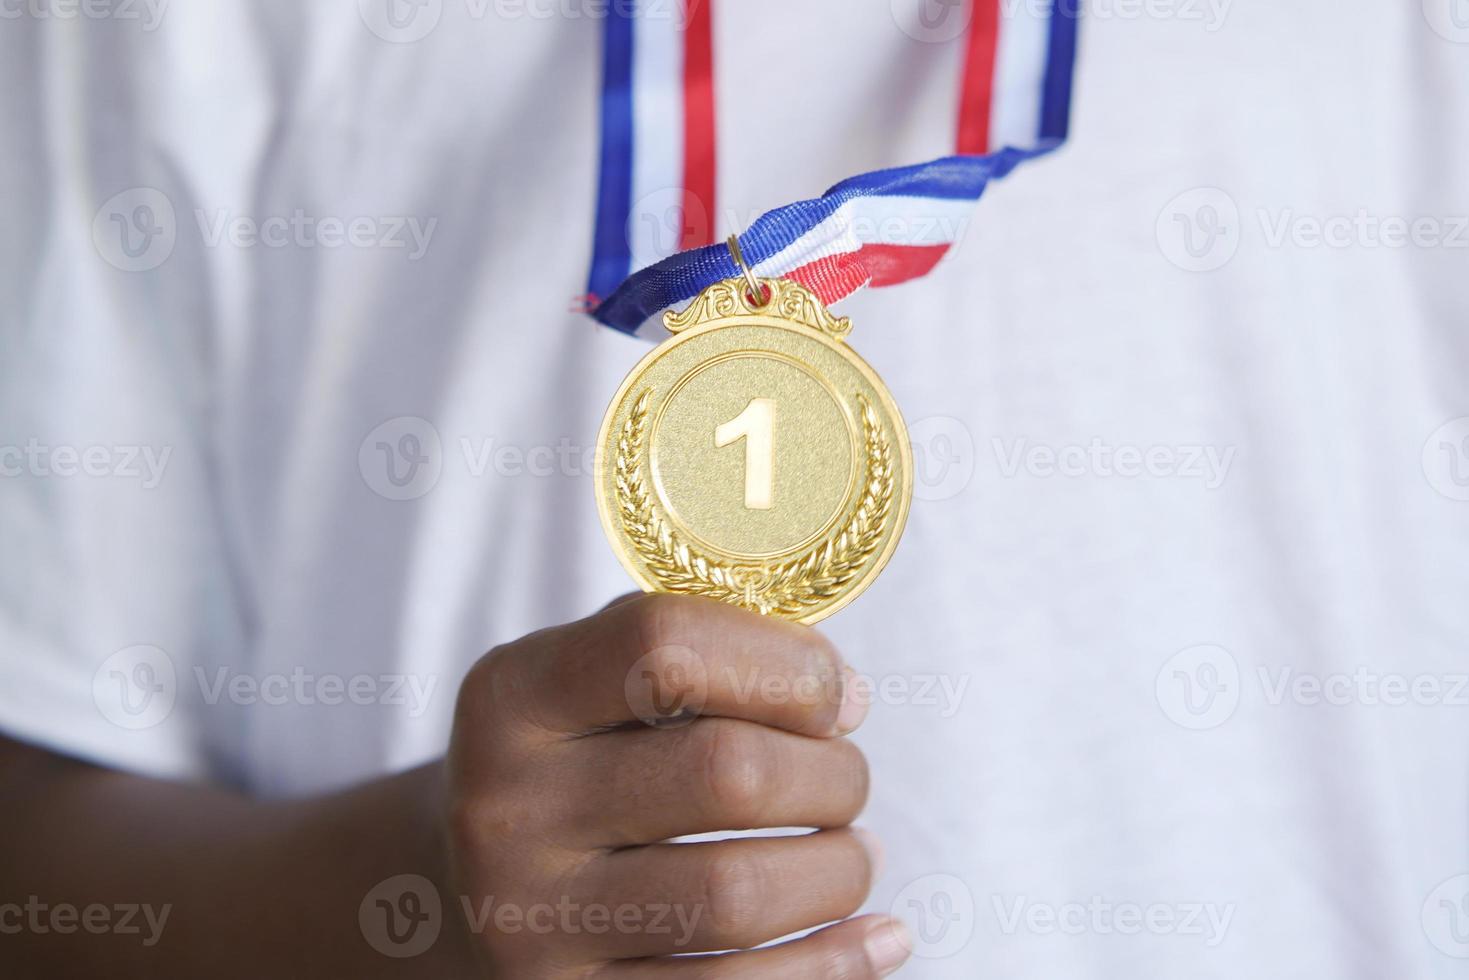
[[580, 752]]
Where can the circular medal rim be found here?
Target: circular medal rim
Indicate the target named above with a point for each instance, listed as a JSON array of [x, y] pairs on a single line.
[[844, 350]]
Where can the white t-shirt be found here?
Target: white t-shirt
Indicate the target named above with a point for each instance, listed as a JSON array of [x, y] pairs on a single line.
[[1170, 662]]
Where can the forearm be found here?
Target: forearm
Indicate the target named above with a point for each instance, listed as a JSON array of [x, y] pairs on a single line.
[[222, 885]]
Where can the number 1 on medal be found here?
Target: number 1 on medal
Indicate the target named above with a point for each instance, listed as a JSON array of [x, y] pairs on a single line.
[[756, 425]]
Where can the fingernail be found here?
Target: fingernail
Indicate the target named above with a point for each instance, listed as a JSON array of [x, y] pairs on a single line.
[[887, 946], [874, 848], [854, 702]]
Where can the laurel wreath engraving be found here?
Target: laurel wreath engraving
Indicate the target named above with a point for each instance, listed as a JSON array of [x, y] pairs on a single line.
[[788, 589]]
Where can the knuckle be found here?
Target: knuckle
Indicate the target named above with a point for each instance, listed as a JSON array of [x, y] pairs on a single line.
[[485, 683], [493, 700], [496, 795], [497, 830], [661, 619], [664, 661], [736, 777], [467, 818], [733, 896]]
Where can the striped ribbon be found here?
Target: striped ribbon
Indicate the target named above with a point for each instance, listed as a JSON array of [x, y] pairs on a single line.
[[653, 246]]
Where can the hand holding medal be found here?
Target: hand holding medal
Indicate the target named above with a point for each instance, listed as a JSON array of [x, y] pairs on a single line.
[[751, 458]]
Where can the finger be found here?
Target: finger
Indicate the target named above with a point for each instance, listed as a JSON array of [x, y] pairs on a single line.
[[643, 785], [659, 657], [732, 894], [865, 948]]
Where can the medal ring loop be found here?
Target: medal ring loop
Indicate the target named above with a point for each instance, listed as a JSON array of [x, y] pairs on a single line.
[[759, 294]]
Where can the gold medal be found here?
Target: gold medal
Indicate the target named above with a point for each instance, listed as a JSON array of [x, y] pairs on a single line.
[[753, 457]]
